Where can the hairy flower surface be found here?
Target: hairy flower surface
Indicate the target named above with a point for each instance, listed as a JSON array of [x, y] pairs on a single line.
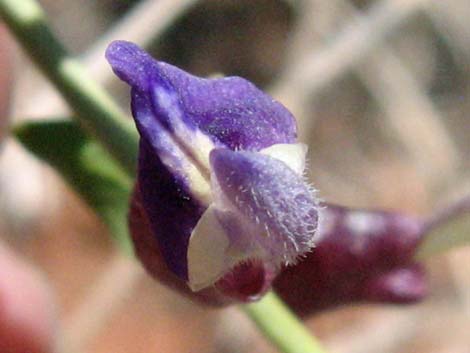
[[220, 172], [221, 211]]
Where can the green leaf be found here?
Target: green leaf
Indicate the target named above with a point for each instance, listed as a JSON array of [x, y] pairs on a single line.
[[86, 166], [447, 230]]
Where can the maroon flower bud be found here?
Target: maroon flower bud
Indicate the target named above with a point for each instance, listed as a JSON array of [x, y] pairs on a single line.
[[360, 256]]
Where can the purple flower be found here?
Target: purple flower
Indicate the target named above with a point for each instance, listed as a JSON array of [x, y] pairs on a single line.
[[220, 172], [221, 207]]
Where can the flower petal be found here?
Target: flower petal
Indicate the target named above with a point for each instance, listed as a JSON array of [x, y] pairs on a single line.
[[230, 110], [173, 156], [148, 250], [207, 252], [267, 209], [292, 154], [172, 210]]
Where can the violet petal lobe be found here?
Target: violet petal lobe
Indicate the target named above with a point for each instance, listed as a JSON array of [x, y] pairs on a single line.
[[163, 176], [279, 204], [230, 110], [359, 256], [170, 208]]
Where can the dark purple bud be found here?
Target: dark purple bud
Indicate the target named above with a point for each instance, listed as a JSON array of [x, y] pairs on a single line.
[[360, 256]]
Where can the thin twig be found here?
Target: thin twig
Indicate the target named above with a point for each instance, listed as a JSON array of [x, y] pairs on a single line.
[[94, 110], [303, 37], [410, 114], [302, 41], [321, 68], [450, 19]]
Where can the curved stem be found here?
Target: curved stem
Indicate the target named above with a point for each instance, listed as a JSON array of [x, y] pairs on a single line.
[[280, 325], [94, 109]]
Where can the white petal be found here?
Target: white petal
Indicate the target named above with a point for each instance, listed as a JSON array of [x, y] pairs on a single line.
[[292, 154], [207, 252]]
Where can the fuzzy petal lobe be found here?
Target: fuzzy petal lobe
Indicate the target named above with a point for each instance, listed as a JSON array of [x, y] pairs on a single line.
[[256, 214], [276, 202]]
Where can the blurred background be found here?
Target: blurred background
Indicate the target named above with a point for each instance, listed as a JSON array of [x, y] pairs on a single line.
[[381, 91]]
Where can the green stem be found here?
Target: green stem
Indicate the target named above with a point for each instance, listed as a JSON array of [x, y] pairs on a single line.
[[280, 325], [94, 109]]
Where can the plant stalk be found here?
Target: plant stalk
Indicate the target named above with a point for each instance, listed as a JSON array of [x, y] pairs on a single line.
[[281, 326], [95, 111]]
